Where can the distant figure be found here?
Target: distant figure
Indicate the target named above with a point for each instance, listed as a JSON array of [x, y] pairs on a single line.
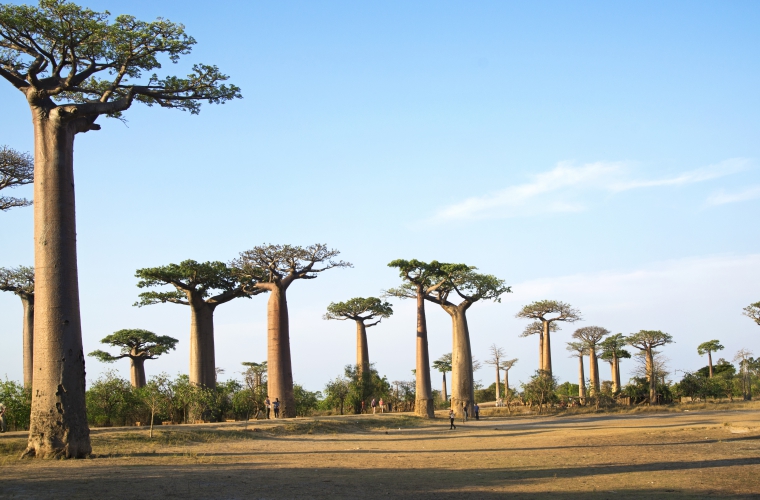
[[390, 407], [373, 404], [276, 407], [476, 409], [451, 419], [382, 406], [362, 406], [268, 404], [464, 412], [2, 417]]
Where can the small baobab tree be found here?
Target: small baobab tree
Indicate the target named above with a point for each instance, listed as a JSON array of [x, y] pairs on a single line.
[[537, 328], [548, 312], [506, 366], [612, 352], [443, 365], [752, 311], [138, 345], [578, 350], [591, 336], [202, 286], [16, 169], [708, 348], [20, 280], [646, 341], [497, 356], [273, 268], [73, 65], [462, 283], [360, 310]]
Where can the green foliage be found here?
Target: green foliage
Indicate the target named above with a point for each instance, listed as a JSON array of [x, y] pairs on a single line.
[[647, 339], [16, 169], [19, 280], [567, 390], [540, 390], [752, 311], [709, 346], [638, 390], [279, 263], [612, 346], [336, 392], [443, 364], [359, 309], [306, 401], [722, 366], [541, 310], [468, 284], [363, 386], [18, 405], [135, 342], [111, 401]]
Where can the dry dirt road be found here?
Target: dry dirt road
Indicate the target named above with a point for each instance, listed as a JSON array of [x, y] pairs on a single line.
[[670, 455]]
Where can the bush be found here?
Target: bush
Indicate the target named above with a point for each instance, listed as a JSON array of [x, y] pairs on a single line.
[[18, 405], [111, 401]]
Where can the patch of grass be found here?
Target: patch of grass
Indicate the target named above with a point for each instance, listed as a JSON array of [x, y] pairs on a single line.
[[522, 411], [11, 449], [332, 426]]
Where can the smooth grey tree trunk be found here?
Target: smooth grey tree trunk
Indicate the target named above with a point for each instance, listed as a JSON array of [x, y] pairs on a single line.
[[202, 358], [280, 371], [28, 339], [362, 349], [424, 404], [137, 371], [58, 422], [547, 352]]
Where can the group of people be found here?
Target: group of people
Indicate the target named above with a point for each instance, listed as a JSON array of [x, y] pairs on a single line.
[[465, 414], [273, 406]]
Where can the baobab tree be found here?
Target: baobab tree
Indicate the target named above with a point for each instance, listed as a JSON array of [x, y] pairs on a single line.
[[543, 310], [537, 328], [443, 365], [16, 169], [578, 350], [497, 355], [460, 280], [20, 280], [273, 268], [708, 348], [202, 286], [360, 310], [72, 66], [591, 336], [646, 341], [506, 366], [752, 311], [613, 352], [420, 278], [138, 345]]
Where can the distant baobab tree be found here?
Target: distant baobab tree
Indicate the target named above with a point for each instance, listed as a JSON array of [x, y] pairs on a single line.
[[360, 310], [16, 169], [708, 348], [578, 350], [548, 312], [752, 311], [497, 356], [273, 268], [138, 345], [443, 365], [590, 336], [506, 366], [613, 352], [646, 341], [20, 280], [537, 328]]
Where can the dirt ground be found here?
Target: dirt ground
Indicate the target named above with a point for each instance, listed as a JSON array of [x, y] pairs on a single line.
[[655, 455]]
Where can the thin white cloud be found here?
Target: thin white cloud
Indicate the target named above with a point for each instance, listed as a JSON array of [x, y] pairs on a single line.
[[722, 197], [554, 190]]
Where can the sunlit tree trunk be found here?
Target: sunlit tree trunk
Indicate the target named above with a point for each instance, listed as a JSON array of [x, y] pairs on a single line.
[[593, 368], [581, 380], [280, 371], [547, 356], [541, 366], [709, 362], [202, 358], [615, 373], [444, 394], [58, 424], [423, 406], [462, 387], [362, 350], [652, 377], [28, 339], [498, 381], [137, 371]]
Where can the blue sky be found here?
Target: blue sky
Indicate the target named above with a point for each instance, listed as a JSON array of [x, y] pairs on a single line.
[[601, 154]]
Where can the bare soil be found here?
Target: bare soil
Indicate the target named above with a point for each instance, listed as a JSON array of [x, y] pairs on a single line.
[[692, 454]]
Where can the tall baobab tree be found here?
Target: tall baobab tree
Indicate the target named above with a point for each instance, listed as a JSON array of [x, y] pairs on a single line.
[[497, 355], [646, 341], [548, 312], [578, 350], [443, 365], [72, 66], [138, 345], [16, 169], [420, 278], [506, 366], [613, 352], [708, 348], [360, 310], [591, 336], [462, 282], [20, 280], [202, 286], [273, 268], [752, 311], [537, 328]]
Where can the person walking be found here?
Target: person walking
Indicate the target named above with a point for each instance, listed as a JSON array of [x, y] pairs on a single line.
[[373, 404], [382, 406], [276, 407], [268, 404], [451, 420], [476, 409], [2, 417]]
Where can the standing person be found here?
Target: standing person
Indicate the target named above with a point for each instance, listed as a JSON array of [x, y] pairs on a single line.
[[464, 412], [382, 406], [268, 404], [451, 420], [373, 404], [276, 407], [476, 409], [362, 406], [2, 417]]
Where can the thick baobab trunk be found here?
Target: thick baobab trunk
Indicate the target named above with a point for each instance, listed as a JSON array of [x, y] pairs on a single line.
[[137, 371], [444, 394], [362, 350], [541, 349], [581, 380], [506, 388], [615, 373], [709, 362], [462, 388], [593, 370], [28, 339], [202, 359], [498, 381], [547, 350], [58, 425], [652, 378], [423, 405], [279, 368]]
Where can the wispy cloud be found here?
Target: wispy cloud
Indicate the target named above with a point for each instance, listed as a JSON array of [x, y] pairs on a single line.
[[722, 197], [555, 190]]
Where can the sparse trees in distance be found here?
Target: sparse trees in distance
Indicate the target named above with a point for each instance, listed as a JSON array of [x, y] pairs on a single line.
[[708, 348], [548, 312], [752, 311], [506, 366], [20, 280], [138, 345], [613, 352], [202, 286], [273, 268], [590, 336], [72, 66], [360, 310], [497, 354], [646, 341], [16, 169], [443, 365]]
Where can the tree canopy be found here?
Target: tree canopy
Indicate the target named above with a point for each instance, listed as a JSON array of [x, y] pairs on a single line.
[[135, 343], [19, 280], [16, 169], [612, 346], [541, 310], [752, 311], [577, 349], [709, 347], [443, 364], [649, 339], [360, 309], [92, 64], [590, 335], [462, 280], [537, 328]]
